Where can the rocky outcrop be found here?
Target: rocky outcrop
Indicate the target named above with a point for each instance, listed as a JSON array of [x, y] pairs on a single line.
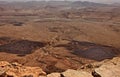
[[17, 70], [106, 68], [74, 73], [109, 69], [54, 75], [71, 73]]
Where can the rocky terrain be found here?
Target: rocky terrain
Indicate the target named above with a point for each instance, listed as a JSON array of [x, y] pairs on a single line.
[[105, 68], [59, 39]]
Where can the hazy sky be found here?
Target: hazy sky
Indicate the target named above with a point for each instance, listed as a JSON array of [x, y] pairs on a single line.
[[103, 1]]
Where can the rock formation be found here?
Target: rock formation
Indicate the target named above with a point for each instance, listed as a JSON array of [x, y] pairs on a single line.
[[106, 68], [109, 69], [17, 70]]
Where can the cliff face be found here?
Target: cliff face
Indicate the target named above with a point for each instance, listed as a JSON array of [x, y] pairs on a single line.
[[106, 68]]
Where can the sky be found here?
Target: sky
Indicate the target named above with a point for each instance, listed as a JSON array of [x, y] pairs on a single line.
[[101, 1]]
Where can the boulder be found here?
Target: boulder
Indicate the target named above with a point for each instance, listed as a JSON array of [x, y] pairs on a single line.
[[54, 75], [75, 73], [109, 69]]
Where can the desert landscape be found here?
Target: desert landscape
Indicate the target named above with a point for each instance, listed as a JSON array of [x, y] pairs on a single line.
[[59, 39]]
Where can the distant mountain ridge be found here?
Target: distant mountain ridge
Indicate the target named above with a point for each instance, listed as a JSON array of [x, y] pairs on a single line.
[[40, 4], [87, 3]]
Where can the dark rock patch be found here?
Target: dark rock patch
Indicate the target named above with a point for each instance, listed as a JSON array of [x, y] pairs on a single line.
[[20, 47], [91, 50]]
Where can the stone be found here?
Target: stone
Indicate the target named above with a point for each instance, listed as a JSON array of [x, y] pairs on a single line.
[[54, 75], [4, 63], [18, 70], [2, 72], [75, 73], [42, 76], [109, 69]]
